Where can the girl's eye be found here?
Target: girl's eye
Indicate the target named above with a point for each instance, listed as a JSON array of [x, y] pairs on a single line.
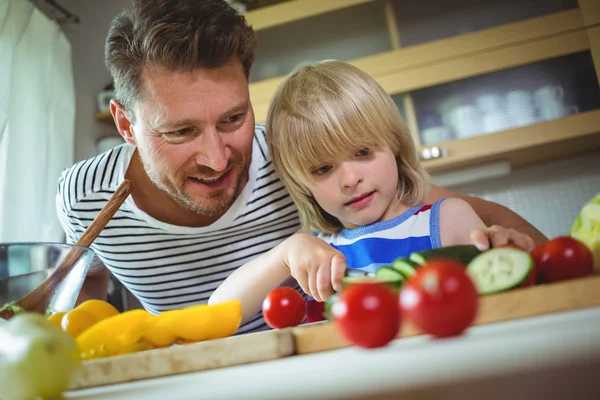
[[363, 152], [323, 170]]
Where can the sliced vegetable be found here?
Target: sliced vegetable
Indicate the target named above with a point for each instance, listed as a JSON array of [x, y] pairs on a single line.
[[405, 266], [461, 253], [331, 300], [500, 269], [389, 275]]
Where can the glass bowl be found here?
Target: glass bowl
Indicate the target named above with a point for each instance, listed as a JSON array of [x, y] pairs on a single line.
[[24, 266]]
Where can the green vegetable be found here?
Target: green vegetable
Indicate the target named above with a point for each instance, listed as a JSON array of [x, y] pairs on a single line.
[[460, 253], [389, 276], [328, 304], [500, 269], [37, 358], [405, 266], [586, 228]]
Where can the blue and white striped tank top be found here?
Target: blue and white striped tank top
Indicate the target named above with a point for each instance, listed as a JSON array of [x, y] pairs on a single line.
[[373, 246]]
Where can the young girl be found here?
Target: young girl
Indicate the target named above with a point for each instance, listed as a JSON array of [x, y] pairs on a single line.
[[349, 163]]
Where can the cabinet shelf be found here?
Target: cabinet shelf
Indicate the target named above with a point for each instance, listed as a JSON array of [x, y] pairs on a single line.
[[525, 145], [296, 10]]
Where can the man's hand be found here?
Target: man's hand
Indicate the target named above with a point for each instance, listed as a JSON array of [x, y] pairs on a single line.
[[317, 267], [496, 235]]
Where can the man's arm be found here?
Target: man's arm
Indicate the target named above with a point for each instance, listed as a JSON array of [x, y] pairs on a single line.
[[491, 213]]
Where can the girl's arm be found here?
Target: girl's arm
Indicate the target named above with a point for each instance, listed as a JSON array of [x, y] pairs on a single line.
[[492, 214], [314, 264], [253, 281], [458, 221]]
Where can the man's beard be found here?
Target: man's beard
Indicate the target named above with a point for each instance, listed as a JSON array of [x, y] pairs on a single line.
[[212, 205]]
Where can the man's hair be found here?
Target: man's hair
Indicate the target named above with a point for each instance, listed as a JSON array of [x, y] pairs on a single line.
[[179, 35], [330, 108]]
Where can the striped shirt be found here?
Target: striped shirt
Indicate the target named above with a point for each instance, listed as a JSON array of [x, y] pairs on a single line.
[[373, 246], [166, 266]]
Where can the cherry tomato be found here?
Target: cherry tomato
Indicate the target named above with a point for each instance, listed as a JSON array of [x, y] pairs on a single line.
[[315, 311], [440, 299], [283, 307], [563, 258], [367, 314]]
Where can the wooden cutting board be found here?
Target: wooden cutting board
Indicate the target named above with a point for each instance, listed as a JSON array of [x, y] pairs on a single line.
[[322, 336]]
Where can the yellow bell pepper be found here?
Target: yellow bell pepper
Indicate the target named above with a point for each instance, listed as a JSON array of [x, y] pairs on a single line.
[[138, 330], [111, 335]]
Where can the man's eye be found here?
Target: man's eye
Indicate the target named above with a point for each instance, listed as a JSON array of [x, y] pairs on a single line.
[[233, 119], [322, 170], [180, 132], [363, 152]]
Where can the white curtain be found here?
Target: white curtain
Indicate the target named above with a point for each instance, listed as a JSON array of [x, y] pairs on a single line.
[[37, 121]]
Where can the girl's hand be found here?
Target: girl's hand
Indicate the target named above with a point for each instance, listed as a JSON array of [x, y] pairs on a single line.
[[317, 267], [497, 235]]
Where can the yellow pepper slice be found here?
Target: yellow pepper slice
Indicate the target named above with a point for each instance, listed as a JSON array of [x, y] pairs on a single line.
[[111, 335]]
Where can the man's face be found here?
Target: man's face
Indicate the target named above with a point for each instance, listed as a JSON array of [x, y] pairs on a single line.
[[194, 133]]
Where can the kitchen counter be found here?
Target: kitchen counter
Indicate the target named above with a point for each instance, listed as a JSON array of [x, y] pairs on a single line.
[[548, 357]]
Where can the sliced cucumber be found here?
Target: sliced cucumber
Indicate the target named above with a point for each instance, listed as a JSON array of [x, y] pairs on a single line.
[[462, 253], [500, 269], [353, 279], [405, 266], [331, 300], [389, 275]]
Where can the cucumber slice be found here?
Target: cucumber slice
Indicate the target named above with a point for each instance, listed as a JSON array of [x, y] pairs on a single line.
[[500, 269], [353, 279], [405, 266], [389, 275], [461, 253], [331, 300]]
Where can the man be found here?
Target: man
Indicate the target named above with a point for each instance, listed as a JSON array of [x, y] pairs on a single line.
[[206, 197]]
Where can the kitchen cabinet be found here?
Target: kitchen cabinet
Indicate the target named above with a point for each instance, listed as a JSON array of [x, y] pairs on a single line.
[[475, 81]]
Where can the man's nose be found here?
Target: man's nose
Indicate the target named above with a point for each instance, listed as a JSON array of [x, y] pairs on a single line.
[[214, 152]]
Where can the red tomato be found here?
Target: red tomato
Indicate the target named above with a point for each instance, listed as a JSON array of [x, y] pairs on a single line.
[[315, 311], [367, 314], [440, 299], [563, 258], [283, 307]]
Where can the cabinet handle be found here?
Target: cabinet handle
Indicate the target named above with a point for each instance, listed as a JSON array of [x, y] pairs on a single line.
[[430, 153]]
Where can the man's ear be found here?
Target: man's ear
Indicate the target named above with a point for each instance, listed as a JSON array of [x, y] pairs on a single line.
[[122, 122]]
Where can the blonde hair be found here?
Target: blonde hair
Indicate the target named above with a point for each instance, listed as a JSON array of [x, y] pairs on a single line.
[[329, 107]]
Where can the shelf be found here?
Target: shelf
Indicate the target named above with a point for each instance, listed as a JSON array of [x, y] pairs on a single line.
[[569, 135], [290, 11], [462, 56]]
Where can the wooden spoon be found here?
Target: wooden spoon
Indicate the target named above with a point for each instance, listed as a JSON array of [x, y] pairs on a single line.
[[37, 300]]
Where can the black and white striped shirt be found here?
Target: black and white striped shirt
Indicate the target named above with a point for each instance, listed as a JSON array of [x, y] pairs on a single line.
[[167, 266]]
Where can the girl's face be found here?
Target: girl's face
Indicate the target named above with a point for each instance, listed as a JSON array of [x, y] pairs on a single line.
[[359, 188]]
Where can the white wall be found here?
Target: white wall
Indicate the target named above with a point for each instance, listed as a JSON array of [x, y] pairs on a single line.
[[91, 76]]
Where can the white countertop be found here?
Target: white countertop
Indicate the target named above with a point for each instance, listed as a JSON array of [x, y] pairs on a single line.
[[548, 357]]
